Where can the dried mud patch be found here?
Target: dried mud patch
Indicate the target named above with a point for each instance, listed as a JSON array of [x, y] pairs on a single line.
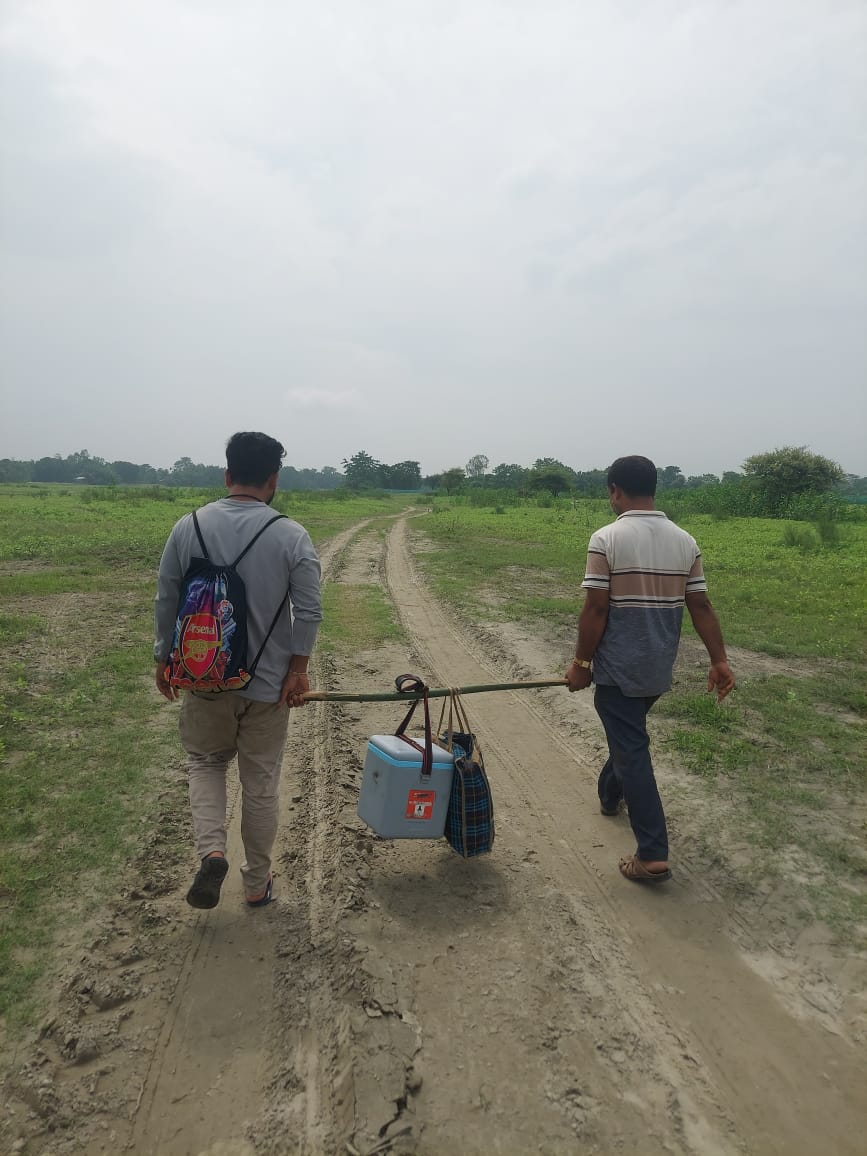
[[9, 568], [74, 626]]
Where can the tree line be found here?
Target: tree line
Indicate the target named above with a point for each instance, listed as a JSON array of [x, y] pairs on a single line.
[[781, 472], [768, 482], [84, 469], [360, 472], [788, 482]]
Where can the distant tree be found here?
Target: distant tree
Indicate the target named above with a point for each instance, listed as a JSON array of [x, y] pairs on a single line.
[[509, 477], [182, 472], [592, 483], [330, 477], [13, 471], [792, 470], [555, 479], [477, 466], [551, 463], [53, 469], [851, 487], [402, 476], [669, 477], [452, 479], [362, 472], [696, 480], [149, 476], [127, 473], [186, 472], [431, 481], [731, 476], [94, 471]]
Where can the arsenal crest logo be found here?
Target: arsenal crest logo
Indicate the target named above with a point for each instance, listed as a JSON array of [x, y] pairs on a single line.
[[199, 643]]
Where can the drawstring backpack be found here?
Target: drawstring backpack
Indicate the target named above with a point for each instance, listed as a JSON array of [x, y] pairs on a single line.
[[209, 646]]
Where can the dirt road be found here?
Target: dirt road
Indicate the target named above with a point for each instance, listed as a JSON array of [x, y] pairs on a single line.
[[397, 998]]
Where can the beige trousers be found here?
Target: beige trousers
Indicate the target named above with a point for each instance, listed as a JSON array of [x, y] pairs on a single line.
[[214, 728]]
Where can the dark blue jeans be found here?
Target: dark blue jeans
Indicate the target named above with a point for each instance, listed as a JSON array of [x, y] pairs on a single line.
[[628, 773]]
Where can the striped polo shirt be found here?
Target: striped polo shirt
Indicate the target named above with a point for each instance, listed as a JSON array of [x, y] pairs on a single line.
[[648, 565]]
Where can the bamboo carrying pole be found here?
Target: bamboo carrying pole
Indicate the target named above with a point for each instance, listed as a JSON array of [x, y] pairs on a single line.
[[433, 692]]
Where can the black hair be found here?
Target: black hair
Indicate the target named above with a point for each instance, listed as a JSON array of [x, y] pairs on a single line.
[[251, 458], [635, 475]]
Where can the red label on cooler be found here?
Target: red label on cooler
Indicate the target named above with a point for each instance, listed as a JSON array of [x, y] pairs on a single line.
[[420, 804]]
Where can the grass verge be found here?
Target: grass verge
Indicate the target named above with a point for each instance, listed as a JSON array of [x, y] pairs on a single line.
[[355, 618], [80, 750], [528, 562], [789, 754]]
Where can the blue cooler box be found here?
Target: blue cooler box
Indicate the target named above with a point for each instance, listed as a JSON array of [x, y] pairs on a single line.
[[396, 800]]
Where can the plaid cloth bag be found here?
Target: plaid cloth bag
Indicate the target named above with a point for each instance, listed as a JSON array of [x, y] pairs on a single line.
[[470, 817]]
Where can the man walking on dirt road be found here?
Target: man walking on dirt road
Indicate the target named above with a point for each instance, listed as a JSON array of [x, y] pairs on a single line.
[[237, 546], [641, 571]]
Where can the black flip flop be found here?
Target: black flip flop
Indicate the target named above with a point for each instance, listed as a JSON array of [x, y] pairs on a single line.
[[266, 898]]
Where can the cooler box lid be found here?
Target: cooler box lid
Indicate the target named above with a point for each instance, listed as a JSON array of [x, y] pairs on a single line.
[[392, 749]]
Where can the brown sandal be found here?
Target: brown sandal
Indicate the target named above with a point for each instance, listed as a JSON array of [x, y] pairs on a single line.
[[633, 869]]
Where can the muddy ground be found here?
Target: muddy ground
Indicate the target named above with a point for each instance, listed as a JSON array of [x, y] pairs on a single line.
[[397, 998]]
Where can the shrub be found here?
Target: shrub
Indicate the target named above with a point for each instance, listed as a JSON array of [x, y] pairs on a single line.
[[828, 531], [800, 536], [744, 499]]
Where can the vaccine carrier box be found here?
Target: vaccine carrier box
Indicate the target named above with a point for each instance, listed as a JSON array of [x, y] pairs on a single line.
[[396, 800]]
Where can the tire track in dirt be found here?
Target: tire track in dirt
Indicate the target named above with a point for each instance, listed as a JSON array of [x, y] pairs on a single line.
[[712, 1027], [310, 1097], [209, 1056]]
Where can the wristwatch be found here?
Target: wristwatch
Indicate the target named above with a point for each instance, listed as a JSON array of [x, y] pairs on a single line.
[[585, 663]]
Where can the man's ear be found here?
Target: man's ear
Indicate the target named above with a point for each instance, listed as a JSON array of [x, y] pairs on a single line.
[[228, 480]]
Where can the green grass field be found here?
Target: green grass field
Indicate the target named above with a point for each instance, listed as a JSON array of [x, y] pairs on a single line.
[[85, 741], [527, 561]]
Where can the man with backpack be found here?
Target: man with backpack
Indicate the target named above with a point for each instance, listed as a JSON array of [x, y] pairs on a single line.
[[641, 572], [228, 576]]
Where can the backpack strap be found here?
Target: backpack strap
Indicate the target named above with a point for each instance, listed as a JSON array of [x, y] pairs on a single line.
[[251, 669], [201, 539], [255, 539]]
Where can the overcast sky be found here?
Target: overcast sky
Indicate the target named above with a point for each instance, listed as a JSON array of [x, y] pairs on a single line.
[[522, 228]]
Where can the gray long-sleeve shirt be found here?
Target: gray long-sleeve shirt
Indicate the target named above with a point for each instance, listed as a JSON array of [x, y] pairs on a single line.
[[283, 559]]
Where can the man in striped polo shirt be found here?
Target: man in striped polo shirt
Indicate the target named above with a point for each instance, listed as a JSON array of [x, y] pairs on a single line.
[[641, 571]]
